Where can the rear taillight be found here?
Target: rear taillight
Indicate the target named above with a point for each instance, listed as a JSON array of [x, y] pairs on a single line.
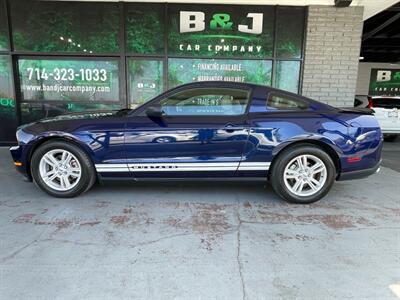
[[353, 159], [370, 103]]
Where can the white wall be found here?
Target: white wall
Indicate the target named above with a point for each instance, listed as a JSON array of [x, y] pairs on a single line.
[[364, 73]]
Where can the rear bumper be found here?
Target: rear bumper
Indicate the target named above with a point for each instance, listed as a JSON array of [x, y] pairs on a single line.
[[360, 173]]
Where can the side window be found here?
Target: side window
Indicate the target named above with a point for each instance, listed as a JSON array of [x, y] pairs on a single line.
[[206, 102], [283, 102]]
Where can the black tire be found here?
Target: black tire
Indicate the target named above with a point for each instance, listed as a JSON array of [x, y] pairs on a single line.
[[88, 173], [390, 137], [277, 173]]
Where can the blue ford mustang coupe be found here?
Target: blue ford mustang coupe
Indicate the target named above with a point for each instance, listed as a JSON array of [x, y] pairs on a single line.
[[205, 130]]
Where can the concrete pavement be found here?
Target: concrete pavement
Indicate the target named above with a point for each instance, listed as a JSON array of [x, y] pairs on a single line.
[[391, 155], [199, 241]]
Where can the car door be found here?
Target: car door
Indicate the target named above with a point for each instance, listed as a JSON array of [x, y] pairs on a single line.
[[196, 131]]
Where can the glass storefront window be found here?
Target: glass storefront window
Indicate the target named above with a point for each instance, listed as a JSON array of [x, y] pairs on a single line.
[[68, 53], [31, 111], [221, 30], [145, 80], [7, 102], [182, 70], [145, 28], [69, 79], [56, 26], [287, 75], [3, 27], [290, 29]]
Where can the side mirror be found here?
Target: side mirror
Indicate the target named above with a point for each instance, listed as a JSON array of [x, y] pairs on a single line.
[[154, 112]]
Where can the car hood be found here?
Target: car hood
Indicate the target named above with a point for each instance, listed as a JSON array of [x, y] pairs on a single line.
[[80, 116], [68, 122]]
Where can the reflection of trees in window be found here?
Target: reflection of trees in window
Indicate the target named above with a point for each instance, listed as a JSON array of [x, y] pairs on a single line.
[[5, 78], [145, 29], [69, 27], [287, 75], [7, 103], [290, 32], [187, 70], [145, 80], [3, 27]]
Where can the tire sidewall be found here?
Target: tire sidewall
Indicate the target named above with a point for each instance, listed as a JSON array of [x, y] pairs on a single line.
[[279, 168], [86, 168]]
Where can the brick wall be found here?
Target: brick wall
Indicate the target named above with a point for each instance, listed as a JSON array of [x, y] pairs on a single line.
[[332, 53]]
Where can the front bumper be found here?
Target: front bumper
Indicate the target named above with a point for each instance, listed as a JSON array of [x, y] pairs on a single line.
[[16, 153], [19, 162], [360, 173]]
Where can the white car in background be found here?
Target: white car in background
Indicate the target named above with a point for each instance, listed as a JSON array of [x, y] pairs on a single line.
[[386, 110]]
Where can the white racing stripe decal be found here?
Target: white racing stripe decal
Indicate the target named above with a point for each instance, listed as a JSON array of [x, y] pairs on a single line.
[[104, 168], [254, 166], [175, 167]]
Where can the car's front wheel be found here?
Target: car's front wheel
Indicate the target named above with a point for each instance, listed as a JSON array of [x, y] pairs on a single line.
[[303, 174], [62, 169]]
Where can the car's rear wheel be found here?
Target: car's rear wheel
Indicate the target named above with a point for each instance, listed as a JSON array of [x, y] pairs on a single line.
[[303, 174], [62, 169]]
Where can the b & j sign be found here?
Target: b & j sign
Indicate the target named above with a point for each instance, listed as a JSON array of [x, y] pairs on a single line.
[[384, 82], [221, 31]]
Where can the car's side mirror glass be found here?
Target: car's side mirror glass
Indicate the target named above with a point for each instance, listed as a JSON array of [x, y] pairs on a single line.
[[154, 112]]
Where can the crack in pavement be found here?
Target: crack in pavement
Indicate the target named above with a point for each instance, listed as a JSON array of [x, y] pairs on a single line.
[[16, 252], [26, 246], [240, 266], [19, 250]]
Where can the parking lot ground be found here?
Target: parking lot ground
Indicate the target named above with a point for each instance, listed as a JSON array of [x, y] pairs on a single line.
[[199, 241], [391, 155]]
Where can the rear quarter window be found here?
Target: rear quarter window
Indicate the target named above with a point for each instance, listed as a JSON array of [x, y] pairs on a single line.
[[284, 102]]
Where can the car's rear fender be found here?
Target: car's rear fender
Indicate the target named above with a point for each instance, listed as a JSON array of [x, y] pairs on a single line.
[[365, 142], [319, 141]]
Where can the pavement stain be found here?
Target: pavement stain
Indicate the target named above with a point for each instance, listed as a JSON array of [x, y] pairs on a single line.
[[119, 220], [247, 204], [58, 223], [93, 223], [210, 221], [127, 210], [63, 224], [25, 218], [298, 237], [102, 204], [213, 222], [333, 221]]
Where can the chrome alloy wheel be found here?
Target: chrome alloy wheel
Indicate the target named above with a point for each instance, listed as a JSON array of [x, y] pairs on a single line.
[[305, 175], [60, 170]]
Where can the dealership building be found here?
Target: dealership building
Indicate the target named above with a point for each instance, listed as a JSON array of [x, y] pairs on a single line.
[[61, 57]]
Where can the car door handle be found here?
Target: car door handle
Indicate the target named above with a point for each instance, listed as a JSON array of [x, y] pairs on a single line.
[[232, 128]]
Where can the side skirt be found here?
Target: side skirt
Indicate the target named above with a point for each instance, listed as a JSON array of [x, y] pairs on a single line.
[[222, 179]]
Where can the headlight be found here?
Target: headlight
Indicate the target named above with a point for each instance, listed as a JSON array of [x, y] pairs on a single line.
[[22, 136]]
